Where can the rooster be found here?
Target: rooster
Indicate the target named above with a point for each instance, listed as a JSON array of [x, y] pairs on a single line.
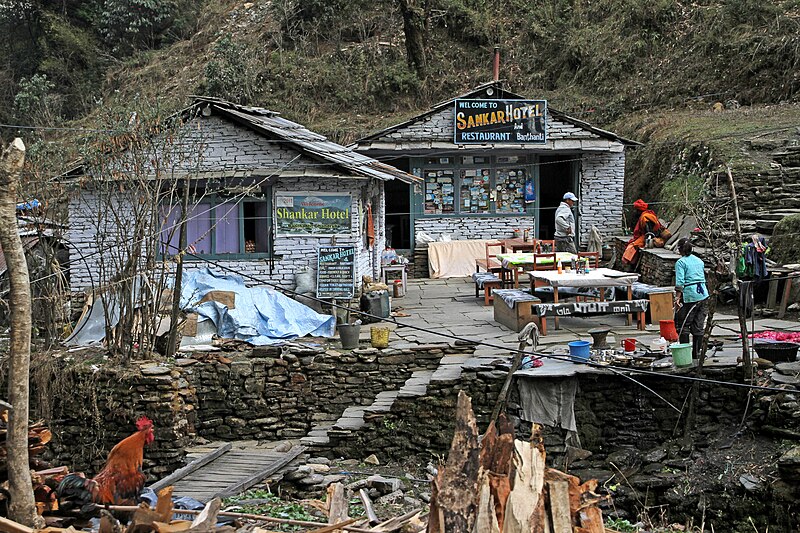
[[121, 480]]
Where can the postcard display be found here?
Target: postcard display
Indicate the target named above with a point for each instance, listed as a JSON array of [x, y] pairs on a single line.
[[440, 193]]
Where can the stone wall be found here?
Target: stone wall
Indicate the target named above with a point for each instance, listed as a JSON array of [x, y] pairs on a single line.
[[88, 237], [267, 394], [464, 228], [656, 265], [97, 405], [602, 181]]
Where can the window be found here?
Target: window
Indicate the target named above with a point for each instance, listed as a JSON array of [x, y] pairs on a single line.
[[476, 185], [219, 226]]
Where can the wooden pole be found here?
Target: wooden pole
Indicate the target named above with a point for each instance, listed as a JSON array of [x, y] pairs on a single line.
[[748, 365], [22, 507], [172, 343]]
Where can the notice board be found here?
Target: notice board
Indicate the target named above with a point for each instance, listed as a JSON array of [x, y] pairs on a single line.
[[336, 271]]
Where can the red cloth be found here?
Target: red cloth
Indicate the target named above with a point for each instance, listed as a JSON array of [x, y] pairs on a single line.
[[640, 205], [370, 227], [782, 336]]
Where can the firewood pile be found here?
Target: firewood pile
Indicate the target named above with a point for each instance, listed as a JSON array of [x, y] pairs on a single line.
[[38, 437], [500, 484]]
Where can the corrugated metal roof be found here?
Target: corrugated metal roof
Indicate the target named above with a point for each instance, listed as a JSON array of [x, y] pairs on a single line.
[[305, 140]]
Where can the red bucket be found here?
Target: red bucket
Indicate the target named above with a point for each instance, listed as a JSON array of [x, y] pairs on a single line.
[[667, 330], [629, 345]]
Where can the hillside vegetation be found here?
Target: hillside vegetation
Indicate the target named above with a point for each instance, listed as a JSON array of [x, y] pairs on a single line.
[[347, 67]]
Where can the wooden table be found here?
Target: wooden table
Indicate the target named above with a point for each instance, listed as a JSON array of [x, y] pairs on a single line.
[[600, 279], [519, 244]]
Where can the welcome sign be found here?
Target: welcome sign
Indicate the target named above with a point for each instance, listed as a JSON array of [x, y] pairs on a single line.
[[500, 121], [312, 213]]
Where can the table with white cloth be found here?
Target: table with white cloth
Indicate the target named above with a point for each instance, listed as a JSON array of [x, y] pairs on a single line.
[[454, 259], [599, 279]]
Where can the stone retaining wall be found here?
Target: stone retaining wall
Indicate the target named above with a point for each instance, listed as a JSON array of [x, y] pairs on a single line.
[[265, 393], [656, 266]]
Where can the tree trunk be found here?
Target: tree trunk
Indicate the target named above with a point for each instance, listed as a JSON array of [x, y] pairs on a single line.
[[415, 19], [22, 507]]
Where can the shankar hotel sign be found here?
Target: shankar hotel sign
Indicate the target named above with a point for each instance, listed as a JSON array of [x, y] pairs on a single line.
[[500, 121]]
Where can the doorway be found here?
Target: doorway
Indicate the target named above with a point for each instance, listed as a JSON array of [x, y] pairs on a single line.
[[398, 210], [557, 176]]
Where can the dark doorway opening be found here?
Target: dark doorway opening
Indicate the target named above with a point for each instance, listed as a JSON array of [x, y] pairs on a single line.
[[556, 177], [398, 210]]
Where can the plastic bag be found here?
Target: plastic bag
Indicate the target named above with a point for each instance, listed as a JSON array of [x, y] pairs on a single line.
[[389, 256], [423, 238], [304, 281]]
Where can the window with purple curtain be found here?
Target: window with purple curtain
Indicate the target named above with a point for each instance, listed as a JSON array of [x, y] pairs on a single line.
[[227, 230]]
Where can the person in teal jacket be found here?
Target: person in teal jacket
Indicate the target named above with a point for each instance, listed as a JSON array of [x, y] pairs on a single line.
[[690, 282]]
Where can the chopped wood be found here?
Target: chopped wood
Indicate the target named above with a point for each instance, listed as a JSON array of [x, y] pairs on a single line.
[[9, 526], [338, 505], [368, 508], [172, 527], [108, 524], [207, 519], [164, 504], [504, 492], [393, 524], [457, 481], [560, 512]]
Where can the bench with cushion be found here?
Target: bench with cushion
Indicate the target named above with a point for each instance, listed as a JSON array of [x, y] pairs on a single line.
[[515, 308], [486, 281]]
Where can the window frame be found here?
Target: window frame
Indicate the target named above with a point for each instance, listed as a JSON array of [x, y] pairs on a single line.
[[265, 196], [457, 166]]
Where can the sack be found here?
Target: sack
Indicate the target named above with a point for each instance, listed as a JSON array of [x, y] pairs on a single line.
[[630, 254]]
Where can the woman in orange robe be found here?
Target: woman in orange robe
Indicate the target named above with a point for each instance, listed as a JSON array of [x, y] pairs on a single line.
[[648, 223]]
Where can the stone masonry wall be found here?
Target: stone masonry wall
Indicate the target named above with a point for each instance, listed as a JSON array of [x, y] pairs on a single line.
[[88, 237], [439, 127], [267, 394], [602, 181], [462, 228]]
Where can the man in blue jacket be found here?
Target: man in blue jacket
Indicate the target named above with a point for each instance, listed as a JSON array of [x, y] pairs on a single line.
[[690, 282]]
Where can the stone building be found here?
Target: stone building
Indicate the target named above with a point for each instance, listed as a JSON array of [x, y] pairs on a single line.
[[477, 153], [266, 194]]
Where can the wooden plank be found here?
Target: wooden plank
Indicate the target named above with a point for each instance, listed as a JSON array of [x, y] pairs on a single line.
[[787, 289], [191, 467], [9, 526], [772, 294], [559, 506], [367, 503], [338, 505], [246, 483]]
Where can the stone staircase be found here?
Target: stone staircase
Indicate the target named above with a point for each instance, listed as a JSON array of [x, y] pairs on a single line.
[[328, 434]]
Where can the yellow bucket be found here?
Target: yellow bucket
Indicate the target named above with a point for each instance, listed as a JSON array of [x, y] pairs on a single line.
[[379, 337]]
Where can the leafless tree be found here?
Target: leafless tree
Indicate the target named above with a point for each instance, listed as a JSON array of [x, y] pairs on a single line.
[[22, 507]]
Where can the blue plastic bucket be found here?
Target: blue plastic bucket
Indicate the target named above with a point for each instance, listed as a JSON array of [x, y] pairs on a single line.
[[579, 350]]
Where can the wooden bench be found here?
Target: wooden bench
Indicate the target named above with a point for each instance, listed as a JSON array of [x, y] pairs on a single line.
[[488, 282], [519, 314]]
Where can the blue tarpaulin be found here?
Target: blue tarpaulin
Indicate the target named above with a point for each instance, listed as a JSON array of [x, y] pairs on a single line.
[[260, 315]]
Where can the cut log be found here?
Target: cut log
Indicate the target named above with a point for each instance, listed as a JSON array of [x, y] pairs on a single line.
[[164, 505], [337, 505], [367, 503], [559, 506], [457, 481]]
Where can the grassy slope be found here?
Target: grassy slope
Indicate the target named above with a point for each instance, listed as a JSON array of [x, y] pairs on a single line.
[[345, 74]]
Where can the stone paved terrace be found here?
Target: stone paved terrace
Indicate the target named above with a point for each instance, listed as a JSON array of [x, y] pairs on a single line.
[[449, 307]]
